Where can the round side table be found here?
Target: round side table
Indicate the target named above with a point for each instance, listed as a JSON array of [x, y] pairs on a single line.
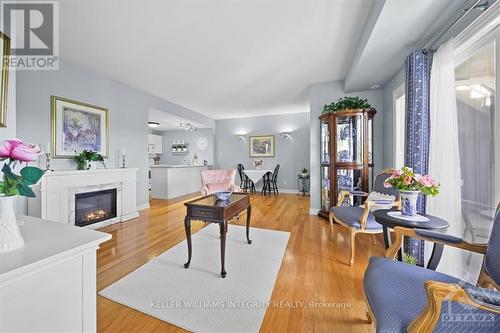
[[434, 223]]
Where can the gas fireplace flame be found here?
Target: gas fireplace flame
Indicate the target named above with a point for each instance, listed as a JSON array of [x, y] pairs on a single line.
[[97, 214]]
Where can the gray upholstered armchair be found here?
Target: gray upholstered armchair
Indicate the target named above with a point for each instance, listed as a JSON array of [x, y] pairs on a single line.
[[359, 219], [408, 298]]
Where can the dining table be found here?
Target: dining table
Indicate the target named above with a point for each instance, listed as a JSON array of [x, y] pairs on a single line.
[[256, 174]]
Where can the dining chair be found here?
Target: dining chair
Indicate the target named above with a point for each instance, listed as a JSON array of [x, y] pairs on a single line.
[[359, 219], [243, 177], [409, 298], [270, 181]]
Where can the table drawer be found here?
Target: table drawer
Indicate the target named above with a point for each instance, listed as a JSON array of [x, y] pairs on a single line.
[[197, 212]]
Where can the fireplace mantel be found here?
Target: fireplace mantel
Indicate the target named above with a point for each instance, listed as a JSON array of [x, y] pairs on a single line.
[[56, 193]]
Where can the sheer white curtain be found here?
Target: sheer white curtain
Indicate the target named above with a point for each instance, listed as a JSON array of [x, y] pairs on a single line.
[[444, 162]]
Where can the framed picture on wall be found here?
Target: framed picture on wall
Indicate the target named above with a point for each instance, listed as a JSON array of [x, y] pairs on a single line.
[[78, 126], [261, 146], [4, 80]]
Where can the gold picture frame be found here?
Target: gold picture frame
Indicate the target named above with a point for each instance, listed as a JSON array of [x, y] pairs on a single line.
[[77, 126], [261, 146], [4, 82]]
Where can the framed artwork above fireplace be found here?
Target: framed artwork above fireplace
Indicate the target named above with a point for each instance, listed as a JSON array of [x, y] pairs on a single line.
[[78, 126]]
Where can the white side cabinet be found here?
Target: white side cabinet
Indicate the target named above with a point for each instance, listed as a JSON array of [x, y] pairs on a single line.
[[49, 285], [155, 144]]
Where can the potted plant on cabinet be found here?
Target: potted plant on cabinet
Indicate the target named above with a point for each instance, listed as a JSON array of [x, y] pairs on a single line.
[[304, 173]]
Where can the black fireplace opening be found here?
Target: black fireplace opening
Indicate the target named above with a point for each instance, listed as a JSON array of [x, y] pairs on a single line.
[[93, 207]]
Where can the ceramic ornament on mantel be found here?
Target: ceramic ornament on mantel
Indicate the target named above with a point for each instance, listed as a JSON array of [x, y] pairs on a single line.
[[12, 153]]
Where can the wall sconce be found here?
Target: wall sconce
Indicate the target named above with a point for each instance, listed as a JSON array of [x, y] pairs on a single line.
[[241, 137], [286, 135]]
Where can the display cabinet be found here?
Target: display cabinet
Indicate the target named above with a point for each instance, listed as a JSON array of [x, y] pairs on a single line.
[[346, 154]]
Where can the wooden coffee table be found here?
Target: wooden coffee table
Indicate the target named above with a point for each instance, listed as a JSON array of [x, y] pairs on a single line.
[[211, 210]]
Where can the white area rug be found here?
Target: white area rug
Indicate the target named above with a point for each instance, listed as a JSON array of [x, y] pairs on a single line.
[[197, 298]]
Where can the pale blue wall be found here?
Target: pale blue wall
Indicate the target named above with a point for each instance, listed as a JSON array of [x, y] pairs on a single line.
[[128, 113], [191, 137], [292, 154]]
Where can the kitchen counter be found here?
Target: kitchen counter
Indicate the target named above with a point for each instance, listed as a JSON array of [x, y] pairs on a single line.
[[172, 181]]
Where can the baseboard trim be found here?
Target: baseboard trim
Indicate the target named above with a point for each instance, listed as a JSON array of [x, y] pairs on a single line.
[[314, 211], [284, 190], [143, 206]]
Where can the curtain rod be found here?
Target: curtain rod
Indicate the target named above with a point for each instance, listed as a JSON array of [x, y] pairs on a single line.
[[465, 12]]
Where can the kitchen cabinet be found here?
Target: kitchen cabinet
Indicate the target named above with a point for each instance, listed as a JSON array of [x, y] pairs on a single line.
[[155, 145]]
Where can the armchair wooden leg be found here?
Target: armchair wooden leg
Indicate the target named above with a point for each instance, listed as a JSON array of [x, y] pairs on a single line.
[[369, 317], [331, 226], [353, 246]]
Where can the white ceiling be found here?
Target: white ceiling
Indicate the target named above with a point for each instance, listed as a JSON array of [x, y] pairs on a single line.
[[169, 122], [399, 27], [236, 58], [221, 58]]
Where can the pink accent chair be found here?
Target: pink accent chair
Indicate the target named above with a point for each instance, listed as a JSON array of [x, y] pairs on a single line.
[[218, 180]]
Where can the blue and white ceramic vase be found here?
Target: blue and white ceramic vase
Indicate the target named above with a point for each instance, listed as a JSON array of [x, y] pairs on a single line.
[[409, 202]]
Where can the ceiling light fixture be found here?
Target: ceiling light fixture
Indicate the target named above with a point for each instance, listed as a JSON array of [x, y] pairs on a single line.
[[153, 124]]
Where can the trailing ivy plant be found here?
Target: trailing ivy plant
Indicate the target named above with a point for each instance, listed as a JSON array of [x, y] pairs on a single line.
[[347, 103]]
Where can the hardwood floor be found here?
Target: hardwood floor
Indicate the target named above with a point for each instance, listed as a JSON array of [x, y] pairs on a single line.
[[315, 269]]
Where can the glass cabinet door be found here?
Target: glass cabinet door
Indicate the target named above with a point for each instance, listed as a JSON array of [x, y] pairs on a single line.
[[370, 141], [325, 143], [349, 180], [350, 139], [325, 188]]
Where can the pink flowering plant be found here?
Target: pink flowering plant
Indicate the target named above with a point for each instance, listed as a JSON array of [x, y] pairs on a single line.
[[15, 151], [406, 180]]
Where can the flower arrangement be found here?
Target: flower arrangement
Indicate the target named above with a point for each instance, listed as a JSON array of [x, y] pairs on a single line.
[[406, 180], [410, 184], [87, 156], [15, 150], [347, 103]]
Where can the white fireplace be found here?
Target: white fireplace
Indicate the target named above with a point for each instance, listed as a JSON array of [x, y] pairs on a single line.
[[63, 196]]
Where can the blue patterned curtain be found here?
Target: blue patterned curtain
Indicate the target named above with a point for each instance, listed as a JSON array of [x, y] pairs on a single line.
[[418, 77]]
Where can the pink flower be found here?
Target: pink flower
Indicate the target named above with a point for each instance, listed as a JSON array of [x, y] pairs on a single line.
[[396, 173], [428, 181], [407, 180], [387, 185], [7, 146], [17, 150], [25, 152]]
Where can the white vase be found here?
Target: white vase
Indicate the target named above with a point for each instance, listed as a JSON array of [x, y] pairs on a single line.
[[409, 202], [10, 236]]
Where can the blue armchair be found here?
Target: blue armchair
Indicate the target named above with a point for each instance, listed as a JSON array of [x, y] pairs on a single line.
[[360, 219], [408, 298]]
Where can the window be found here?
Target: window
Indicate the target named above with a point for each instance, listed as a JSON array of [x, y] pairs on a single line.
[[475, 84], [399, 98]]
